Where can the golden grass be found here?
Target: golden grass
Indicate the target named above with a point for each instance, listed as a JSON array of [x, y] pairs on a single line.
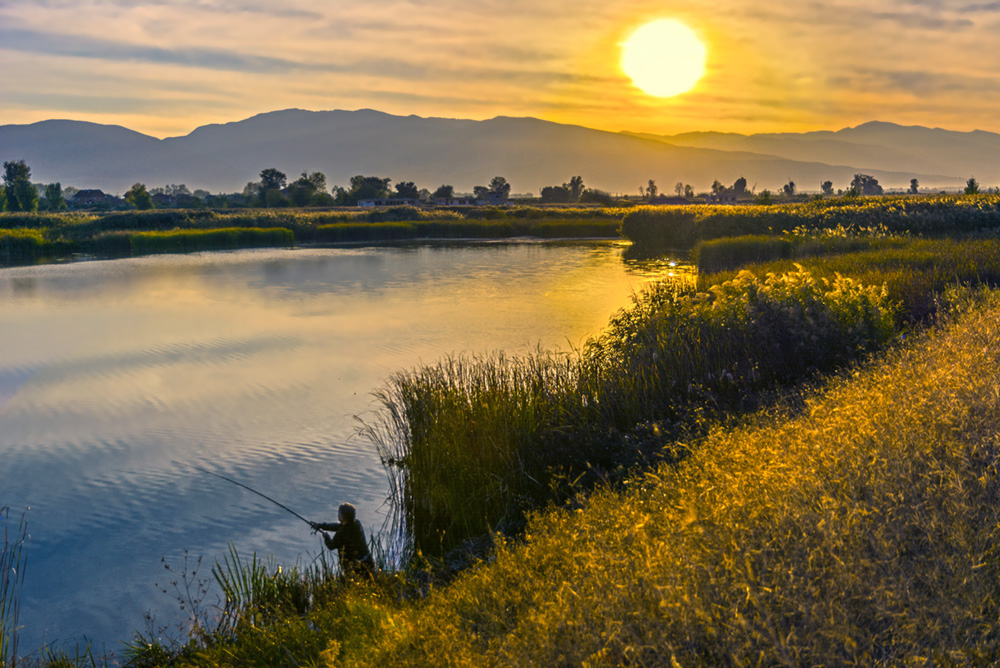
[[860, 531]]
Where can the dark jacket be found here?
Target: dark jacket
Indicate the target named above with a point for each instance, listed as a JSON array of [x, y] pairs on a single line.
[[349, 540]]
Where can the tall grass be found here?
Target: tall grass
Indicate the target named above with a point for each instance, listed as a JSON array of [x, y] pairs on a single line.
[[186, 241], [860, 529], [855, 526], [914, 272], [681, 227], [472, 442], [19, 245], [734, 252], [12, 563]]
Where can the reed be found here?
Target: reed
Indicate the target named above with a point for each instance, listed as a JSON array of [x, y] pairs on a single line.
[[681, 227], [473, 442], [857, 527], [914, 272], [734, 252], [186, 241], [13, 559], [20, 245]]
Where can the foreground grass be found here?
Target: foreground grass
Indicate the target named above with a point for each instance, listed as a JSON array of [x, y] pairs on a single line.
[[861, 532], [858, 528]]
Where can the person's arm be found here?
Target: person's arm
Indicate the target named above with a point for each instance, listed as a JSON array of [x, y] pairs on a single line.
[[325, 526]]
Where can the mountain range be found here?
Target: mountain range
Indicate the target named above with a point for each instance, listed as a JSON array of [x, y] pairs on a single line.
[[530, 153]]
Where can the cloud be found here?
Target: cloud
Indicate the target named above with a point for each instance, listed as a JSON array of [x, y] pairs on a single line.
[[918, 83], [981, 8]]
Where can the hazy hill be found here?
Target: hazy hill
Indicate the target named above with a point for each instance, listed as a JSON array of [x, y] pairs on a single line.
[[872, 146], [530, 153]]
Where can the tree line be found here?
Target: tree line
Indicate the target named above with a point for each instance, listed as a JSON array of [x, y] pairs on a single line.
[[273, 189]]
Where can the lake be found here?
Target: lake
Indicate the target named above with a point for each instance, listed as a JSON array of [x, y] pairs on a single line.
[[118, 377]]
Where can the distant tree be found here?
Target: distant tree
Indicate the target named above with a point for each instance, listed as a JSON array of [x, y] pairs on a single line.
[[3, 198], [499, 186], [575, 187], [972, 186], [20, 194], [789, 188], [595, 196], [139, 197], [54, 199], [444, 192], [308, 190], [688, 191], [679, 189], [914, 187], [764, 198], [274, 198], [740, 186], [407, 190], [827, 188], [651, 189], [717, 187], [866, 185], [556, 194], [368, 187], [481, 192], [272, 179]]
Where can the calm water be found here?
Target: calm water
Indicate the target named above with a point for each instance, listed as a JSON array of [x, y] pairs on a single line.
[[116, 377]]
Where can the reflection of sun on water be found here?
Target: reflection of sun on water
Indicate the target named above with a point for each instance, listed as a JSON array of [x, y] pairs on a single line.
[[664, 58]]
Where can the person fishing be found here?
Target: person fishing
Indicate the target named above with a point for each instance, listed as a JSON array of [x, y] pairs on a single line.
[[348, 535], [349, 540]]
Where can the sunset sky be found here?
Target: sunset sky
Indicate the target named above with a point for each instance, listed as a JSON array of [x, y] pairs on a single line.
[[164, 67]]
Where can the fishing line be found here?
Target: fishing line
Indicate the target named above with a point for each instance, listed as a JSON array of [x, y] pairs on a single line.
[[251, 489]]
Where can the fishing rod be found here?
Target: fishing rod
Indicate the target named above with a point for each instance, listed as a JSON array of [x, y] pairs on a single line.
[[236, 482]]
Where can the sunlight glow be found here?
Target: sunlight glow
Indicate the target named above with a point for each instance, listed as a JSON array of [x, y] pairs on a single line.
[[664, 58]]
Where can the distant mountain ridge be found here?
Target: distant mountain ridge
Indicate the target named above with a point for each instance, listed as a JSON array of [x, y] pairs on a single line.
[[529, 152]]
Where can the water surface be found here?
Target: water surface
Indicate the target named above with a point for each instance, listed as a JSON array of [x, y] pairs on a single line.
[[116, 377]]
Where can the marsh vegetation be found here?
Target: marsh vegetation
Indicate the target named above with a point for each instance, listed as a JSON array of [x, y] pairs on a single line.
[[791, 461]]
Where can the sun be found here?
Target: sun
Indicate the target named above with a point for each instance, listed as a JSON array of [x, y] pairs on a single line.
[[664, 58]]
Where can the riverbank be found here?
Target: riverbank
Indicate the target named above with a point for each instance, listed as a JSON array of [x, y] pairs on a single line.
[[28, 238], [847, 524], [852, 524]]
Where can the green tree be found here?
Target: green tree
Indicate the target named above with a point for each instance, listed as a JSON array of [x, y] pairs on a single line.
[[575, 187], [139, 197], [367, 187], [20, 194], [407, 190], [827, 188], [914, 186], [867, 185], [556, 195], [972, 186], [444, 192], [308, 189], [54, 199], [499, 186], [272, 181], [764, 198], [481, 192]]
